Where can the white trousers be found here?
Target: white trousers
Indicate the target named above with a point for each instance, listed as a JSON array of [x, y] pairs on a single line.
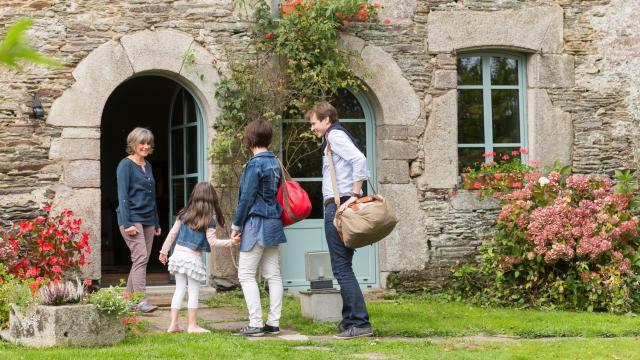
[[269, 260], [183, 282]]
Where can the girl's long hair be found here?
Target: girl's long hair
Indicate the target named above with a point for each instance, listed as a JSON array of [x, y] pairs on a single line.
[[202, 206]]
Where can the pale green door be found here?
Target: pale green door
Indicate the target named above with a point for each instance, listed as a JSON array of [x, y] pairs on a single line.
[[304, 163], [186, 151]]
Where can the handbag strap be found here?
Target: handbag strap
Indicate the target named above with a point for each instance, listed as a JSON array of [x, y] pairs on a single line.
[[332, 172], [283, 182]]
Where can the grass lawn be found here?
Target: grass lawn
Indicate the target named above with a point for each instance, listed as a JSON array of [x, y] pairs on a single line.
[[411, 316], [420, 316], [225, 346]]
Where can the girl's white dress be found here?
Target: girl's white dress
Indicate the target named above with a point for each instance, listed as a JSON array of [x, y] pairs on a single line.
[[186, 261]]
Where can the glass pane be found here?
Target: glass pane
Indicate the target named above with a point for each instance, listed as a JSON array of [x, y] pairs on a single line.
[[177, 152], [359, 131], [470, 117], [470, 70], [506, 117], [176, 118], [301, 155], [504, 71], [347, 105], [191, 183], [178, 195], [469, 158], [314, 189], [191, 149], [191, 108]]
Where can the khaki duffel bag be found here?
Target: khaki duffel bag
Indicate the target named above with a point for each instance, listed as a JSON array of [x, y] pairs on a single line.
[[368, 220]]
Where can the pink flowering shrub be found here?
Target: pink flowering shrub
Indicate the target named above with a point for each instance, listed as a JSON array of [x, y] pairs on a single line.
[[566, 241]]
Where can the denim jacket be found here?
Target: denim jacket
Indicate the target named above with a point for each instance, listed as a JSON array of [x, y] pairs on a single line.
[[194, 240], [258, 187]]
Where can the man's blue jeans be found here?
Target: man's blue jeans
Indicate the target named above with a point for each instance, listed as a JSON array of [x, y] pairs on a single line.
[[354, 309]]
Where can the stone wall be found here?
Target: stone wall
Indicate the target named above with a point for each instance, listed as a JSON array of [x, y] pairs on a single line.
[[582, 101]]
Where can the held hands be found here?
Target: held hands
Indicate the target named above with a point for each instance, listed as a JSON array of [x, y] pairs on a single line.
[[158, 232], [236, 236], [346, 204], [163, 259]]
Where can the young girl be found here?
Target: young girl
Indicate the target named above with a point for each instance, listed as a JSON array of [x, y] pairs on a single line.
[[195, 231]]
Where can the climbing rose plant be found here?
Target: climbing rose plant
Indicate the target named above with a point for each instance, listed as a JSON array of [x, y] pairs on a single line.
[[566, 241], [45, 248]]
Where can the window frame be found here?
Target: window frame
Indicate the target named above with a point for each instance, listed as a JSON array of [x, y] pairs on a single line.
[[487, 106]]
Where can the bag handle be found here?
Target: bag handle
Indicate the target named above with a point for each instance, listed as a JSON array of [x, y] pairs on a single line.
[[332, 171], [283, 182]]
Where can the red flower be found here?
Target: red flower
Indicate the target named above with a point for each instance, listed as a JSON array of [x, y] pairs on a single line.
[[515, 153], [477, 185], [376, 5], [56, 269], [268, 35], [87, 282], [523, 151], [505, 157], [67, 213], [497, 176], [386, 21], [46, 207]]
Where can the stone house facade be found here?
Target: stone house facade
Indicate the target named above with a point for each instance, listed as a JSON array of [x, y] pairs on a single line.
[[577, 103]]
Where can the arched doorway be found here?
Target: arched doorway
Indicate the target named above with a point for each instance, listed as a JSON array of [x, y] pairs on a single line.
[[171, 112], [304, 163]]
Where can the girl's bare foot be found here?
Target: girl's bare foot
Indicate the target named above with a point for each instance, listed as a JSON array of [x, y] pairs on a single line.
[[175, 329], [197, 329]]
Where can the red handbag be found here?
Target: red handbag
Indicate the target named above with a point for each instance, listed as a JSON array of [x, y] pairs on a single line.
[[293, 199]]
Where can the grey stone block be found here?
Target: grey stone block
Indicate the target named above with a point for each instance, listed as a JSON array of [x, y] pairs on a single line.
[[321, 306], [82, 174], [550, 71], [397, 150], [393, 171], [75, 325]]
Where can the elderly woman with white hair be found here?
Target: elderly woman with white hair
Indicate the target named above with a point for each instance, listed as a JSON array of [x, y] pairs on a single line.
[[137, 210]]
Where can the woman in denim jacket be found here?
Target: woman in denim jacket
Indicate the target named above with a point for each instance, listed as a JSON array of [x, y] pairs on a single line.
[[258, 225]]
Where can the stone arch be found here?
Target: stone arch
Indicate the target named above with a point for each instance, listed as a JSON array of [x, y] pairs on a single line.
[[78, 111]]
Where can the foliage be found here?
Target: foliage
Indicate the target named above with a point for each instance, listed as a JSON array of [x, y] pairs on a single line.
[[501, 175], [15, 47], [47, 247], [112, 300], [60, 293], [565, 241], [286, 67]]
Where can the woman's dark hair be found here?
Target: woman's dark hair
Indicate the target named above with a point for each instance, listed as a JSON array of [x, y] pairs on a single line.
[[258, 133], [202, 206]]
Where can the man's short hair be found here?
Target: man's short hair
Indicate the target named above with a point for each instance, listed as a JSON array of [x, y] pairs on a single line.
[[322, 110], [258, 133]]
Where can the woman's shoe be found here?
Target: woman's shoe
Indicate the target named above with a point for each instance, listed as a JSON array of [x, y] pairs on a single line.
[[250, 331], [145, 307], [273, 330]]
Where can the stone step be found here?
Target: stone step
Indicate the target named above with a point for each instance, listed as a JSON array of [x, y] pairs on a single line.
[[161, 295]]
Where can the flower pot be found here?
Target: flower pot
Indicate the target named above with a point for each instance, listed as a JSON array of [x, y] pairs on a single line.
[[76, 325]]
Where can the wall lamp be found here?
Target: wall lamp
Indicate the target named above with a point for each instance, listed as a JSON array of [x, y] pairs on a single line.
[[37, 111]]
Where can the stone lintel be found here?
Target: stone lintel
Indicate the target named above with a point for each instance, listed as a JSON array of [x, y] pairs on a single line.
[[537, 28]]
